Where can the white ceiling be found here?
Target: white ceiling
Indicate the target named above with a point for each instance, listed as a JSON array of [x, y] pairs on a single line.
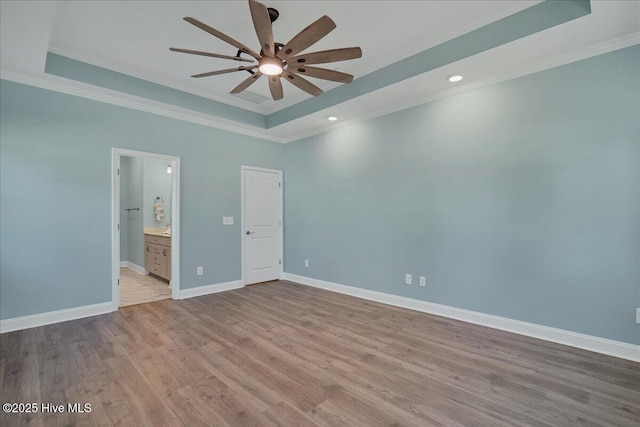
[[133, 37]]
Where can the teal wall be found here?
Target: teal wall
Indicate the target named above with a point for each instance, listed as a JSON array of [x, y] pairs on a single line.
[[55, 189], [519, 200]]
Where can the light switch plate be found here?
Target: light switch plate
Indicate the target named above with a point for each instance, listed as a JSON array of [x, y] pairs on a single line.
[[637, 315], [306, 263], [227, 220], [423, 281], [407, 279], [200, 271]]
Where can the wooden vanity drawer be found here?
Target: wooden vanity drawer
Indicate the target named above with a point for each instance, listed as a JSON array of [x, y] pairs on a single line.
[[156, 259], [157, 240]]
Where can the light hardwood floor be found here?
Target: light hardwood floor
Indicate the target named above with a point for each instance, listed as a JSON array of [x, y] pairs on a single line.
[[284, 354], [137, 288]]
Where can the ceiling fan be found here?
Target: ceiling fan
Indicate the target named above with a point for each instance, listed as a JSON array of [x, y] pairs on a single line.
[[276, 60]]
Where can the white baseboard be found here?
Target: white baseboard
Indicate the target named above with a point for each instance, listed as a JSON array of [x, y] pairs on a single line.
[[210, 289], [41, 319], [134, 267], [560, 336]]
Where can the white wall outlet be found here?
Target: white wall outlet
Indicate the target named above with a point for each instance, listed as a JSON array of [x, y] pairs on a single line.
[[407, 279], [637, 315], [306, 263], [227, 220], [423, 281], [200, 271]]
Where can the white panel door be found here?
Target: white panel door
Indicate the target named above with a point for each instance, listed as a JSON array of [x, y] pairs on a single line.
[[262, 224]]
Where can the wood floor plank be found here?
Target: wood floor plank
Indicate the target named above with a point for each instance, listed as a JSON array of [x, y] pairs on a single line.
[[136, 288], [283, 354]]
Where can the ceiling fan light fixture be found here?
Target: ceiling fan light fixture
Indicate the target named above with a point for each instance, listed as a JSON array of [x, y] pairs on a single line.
[[270, 66]]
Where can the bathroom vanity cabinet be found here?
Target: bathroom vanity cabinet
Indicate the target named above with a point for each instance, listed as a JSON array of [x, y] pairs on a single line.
[[157, 255]]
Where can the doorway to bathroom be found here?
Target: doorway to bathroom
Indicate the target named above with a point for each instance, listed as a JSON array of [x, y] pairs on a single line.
[[145, 201]]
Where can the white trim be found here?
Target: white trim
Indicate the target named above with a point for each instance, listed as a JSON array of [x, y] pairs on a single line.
[[48, 318], [97, 93], [175, 221], [115, 230], [244, 168], [175, 228], [129, 71], [560, 336], [134, 267], [546, 64], [211, 289]]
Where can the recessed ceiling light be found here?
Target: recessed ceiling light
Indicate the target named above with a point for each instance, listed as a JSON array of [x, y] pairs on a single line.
[[332, 118], [454, 78]]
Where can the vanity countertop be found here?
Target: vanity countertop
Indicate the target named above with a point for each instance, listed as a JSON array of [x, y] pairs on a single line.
[[158, 231]]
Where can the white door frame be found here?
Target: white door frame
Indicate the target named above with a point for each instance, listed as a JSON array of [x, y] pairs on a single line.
[[244, 168], [175, 219]]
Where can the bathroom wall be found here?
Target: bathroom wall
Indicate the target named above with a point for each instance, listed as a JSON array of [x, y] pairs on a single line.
[[156, 182], [141, 180], [131, 181]]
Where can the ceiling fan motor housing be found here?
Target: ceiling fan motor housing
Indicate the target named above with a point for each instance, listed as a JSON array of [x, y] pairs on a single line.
[[273, 14]]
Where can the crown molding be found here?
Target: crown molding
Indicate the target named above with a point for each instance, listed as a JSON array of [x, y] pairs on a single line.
[[279, 133], [96, 93], [556, 61], [153, 78]]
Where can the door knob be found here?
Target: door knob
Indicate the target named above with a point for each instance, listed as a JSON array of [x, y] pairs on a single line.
[[250, 232]]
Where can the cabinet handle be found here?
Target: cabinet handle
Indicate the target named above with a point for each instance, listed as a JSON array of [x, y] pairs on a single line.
[[164, 252], [147, 248]]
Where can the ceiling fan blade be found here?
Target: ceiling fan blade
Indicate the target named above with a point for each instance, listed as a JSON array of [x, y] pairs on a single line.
[[221, 36], [324, 56], [247, 82], [301, 83], [321, 73], [228, 70], [307, 37], [262, 24], [275, 86], [213, 55]]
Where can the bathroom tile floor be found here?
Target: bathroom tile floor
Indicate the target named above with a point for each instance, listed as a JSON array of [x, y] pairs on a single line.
[[137, 288]]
